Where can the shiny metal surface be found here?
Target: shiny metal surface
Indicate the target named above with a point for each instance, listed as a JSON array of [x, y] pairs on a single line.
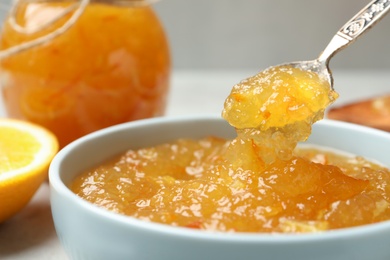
[[355, 27]]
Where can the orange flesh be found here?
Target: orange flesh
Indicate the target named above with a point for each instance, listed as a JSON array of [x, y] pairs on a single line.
[[112, 66], [230, 186]]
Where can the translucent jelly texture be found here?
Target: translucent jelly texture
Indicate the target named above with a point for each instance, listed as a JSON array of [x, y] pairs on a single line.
[[257, 182], [220, 185], [277, 107], [110, 67]]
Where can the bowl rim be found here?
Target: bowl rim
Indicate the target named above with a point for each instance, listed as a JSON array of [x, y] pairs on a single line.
[[57, 185]]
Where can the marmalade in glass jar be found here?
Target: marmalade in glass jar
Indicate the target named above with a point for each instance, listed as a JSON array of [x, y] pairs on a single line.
[[111, 66], [234, 185]]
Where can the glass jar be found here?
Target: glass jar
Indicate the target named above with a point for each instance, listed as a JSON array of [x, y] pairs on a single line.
[[78, 66]]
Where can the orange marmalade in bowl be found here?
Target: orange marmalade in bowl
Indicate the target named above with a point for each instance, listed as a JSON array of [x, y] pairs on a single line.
[[111, 66], [235, 185]]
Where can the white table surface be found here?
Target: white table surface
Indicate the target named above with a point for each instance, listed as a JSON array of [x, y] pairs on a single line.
[[31, 235]]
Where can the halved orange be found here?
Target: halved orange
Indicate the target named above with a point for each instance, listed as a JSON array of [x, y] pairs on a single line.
[[26, 151]]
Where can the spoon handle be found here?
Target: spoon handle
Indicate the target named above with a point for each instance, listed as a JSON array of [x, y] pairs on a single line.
[[355, 27]]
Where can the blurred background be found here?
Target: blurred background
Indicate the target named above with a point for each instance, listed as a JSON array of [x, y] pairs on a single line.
[[254, 34]]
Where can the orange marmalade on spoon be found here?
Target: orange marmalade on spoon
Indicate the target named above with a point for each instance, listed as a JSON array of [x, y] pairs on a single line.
[[277, 107], [257, 182]]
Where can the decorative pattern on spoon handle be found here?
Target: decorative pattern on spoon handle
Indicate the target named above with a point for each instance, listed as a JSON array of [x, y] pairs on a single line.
[[367, 17]]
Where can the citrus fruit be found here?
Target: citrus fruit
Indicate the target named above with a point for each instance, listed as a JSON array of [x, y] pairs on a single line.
[[26, 151]]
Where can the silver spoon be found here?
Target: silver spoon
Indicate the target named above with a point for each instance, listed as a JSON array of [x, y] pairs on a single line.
[[355, 27]]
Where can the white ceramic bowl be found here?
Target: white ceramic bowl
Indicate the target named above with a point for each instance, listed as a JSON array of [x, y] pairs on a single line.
[[89, 232]]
